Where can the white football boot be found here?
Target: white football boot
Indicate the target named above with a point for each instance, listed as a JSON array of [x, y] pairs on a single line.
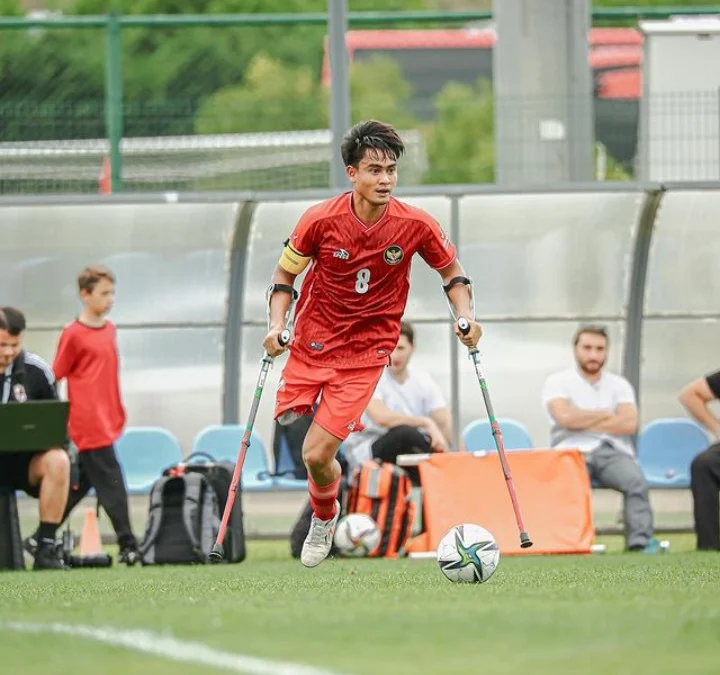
[[319, 540]]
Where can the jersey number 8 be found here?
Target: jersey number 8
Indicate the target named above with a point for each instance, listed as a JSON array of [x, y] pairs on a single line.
[[362, 283]]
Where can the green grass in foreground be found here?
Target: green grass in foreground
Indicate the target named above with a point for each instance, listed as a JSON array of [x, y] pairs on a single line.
[[612, 613]]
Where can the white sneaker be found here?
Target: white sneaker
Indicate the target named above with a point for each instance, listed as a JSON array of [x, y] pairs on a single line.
[[319, 540]]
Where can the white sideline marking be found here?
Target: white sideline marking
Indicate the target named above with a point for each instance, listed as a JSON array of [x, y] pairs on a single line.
[[169, 648]]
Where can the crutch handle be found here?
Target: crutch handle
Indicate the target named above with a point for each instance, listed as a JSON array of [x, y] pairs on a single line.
[[284, 337], [464, 327]]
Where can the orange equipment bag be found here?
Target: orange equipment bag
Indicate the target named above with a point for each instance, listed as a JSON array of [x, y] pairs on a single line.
[[382, 491]]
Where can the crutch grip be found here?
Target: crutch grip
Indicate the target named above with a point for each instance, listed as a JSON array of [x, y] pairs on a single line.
[[284, 337], [463, 325]]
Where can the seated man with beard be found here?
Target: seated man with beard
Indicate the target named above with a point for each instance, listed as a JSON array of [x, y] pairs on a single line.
[[595, 411]]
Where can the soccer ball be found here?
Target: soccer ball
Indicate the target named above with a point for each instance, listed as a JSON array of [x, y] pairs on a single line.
[[356, 535], [468, 554]]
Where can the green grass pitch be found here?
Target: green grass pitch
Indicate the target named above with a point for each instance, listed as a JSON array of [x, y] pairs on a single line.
[[603, 614]]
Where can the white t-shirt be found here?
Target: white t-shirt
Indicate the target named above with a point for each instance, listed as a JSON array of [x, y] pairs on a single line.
[[418, 396], [606, 394]]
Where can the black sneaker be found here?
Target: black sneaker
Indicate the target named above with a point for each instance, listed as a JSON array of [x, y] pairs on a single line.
[[47, 557], [129, 555], [30, 544]]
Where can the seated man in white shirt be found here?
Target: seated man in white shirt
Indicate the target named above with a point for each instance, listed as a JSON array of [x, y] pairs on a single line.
[[407, 413], [595, 411]]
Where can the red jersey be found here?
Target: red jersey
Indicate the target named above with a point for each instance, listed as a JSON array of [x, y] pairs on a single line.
[[354, 294], [88, 358]]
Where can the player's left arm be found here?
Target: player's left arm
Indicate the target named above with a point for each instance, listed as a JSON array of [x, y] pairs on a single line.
[[440, 253], [459, 293]]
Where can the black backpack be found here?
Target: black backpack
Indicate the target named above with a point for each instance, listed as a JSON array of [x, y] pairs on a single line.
[[186, 505], [219, 474]]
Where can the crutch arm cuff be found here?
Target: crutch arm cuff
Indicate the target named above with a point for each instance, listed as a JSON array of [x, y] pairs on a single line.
[[282, 288], [455, 281]]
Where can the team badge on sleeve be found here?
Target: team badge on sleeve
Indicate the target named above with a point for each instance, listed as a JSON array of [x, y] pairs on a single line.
[[393, 254]]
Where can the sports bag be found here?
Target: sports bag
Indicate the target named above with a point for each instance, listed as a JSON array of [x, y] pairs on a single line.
[[183, 520], [383, 492], [219, 474], [216, 477]]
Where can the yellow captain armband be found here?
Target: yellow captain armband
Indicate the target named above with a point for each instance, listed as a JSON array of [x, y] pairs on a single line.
[[292, 261]]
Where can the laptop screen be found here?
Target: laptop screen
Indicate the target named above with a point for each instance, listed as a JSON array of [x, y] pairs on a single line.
[[33, 426]]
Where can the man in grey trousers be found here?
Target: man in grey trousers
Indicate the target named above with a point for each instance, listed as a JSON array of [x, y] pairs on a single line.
[[595, 411]]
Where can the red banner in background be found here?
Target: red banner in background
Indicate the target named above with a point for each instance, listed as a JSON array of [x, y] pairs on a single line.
[[552, 487]]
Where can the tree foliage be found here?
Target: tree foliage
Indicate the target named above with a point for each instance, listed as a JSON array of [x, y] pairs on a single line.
[[51, 79], [461, 143], [651, 3], [379, 90], [273, 98], [230, 79], [278, 97]]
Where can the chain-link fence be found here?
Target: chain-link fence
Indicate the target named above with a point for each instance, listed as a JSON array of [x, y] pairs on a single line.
[[51, 100], [155, 103]]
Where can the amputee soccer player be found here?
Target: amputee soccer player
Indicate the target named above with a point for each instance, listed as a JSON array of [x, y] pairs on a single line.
[[348, 316]]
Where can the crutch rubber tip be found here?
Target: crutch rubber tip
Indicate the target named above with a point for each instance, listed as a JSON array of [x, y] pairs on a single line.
[[525, 541], [216, 555]]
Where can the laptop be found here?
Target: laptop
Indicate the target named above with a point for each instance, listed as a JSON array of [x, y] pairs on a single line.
[[33, 425]]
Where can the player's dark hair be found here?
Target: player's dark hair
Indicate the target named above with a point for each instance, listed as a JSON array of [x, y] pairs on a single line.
[[90, 276], [407, 330], [371, 135], [14, 320], [592, 329]]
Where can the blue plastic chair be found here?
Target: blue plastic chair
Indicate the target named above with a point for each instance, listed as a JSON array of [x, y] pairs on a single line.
[[667, 447], [285, 463], [478, 435], [223, 441], [144, 453]]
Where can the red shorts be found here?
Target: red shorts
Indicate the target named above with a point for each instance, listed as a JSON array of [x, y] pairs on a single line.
[[345, 394]]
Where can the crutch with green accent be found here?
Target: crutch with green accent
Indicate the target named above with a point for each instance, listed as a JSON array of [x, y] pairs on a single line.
[[525, 541]]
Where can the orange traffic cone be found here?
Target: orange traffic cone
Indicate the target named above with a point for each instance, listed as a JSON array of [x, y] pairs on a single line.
[[90, 542], [105, 178]]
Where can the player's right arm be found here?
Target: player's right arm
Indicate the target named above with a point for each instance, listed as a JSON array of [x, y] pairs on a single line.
[[65, 356], [296, 255], [279, 306]]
